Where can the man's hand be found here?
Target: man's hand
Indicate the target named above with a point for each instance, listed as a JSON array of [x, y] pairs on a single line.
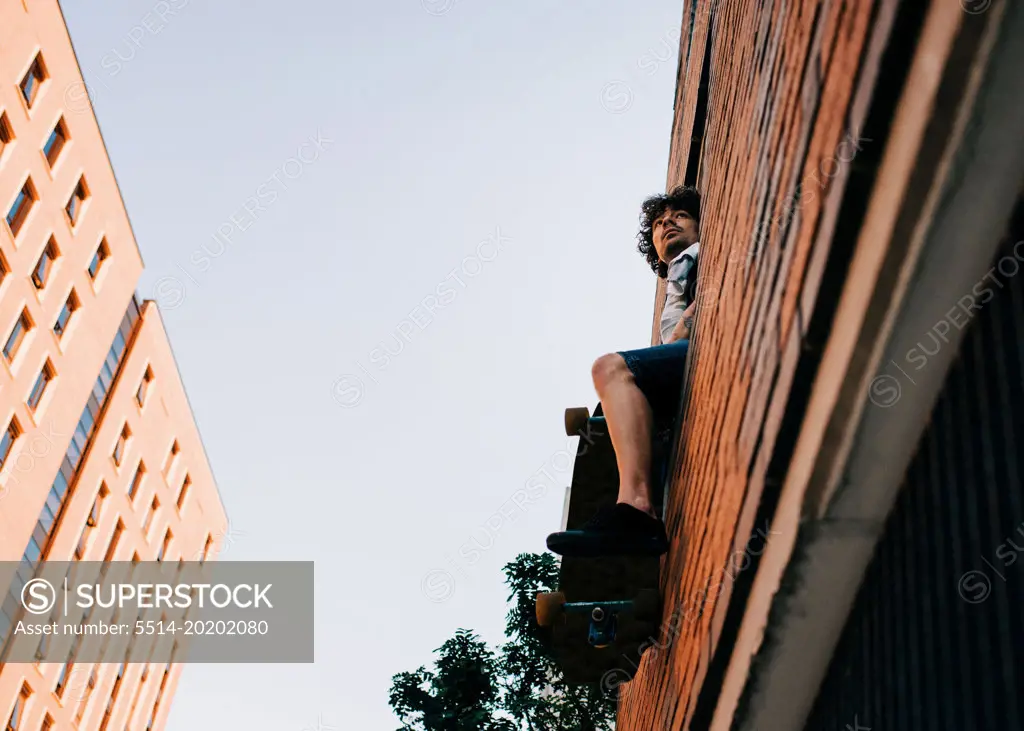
[[682, 329]]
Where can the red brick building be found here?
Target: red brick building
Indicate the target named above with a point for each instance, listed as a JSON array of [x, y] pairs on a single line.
[[848, 483]]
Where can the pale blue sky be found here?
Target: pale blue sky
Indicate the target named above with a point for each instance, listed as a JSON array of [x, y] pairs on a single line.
[[451, 122]]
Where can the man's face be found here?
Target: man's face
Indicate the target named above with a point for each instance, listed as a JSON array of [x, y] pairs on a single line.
[[673, 231]]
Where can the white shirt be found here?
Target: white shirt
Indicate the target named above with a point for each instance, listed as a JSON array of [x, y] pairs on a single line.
[[676, 301]]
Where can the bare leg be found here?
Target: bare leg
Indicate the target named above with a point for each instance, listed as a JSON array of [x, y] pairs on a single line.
[[630, 426]]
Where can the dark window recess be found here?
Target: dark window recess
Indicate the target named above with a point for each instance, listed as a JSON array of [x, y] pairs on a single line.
[[101, 254], [21, 207], [701, 112], [45, 264], [55, 142], [33, 81]]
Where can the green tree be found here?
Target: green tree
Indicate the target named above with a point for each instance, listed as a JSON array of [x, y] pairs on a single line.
[[459, 694], [519, 689], [535, 693]]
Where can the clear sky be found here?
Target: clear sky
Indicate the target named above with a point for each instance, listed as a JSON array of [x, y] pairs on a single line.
[[375, 380]]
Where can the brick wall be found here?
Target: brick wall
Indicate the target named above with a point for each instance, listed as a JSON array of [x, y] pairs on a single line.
[[778, 139]]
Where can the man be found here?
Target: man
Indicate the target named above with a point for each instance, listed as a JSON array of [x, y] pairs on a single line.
[[640, 389]]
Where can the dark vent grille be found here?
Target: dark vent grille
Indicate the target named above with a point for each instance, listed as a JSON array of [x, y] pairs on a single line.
[[936, 637]]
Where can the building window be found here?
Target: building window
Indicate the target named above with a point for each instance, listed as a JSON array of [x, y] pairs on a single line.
[[114, 540], [55, 142], [44, 266], [39, 388], [147, 378], [169, 462], [207, 548], [6, 133], [4, 269], [21, 207], [166, 545], [91, 522], [14, 721], [7, 440], [122, 445], [17, 336], [47, 723], [77, 201], [97, 506], [33, 80], [153, 507], [100, 255], [70, 306], [183, 492], [62, 679], [140, 472], [83, 542]]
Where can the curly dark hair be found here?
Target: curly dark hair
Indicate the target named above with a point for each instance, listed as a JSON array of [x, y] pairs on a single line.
[[683, 198]]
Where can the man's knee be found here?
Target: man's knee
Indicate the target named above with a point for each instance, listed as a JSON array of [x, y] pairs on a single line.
[[609, 369]]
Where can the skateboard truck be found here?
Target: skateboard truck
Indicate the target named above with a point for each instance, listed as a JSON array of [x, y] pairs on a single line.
[[602, 620], [603, 615]]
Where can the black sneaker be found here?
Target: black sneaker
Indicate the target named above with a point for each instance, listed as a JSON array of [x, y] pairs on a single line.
[[616, 530]]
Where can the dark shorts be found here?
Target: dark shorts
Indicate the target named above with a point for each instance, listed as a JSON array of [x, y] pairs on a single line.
[[659, 375]]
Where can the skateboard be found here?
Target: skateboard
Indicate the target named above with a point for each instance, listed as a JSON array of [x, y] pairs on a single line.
[[607, 610]]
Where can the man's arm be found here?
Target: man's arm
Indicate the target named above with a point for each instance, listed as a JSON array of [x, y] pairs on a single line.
[[682, 329]]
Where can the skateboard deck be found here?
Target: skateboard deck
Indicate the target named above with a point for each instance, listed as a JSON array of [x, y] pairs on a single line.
[[602, 648]]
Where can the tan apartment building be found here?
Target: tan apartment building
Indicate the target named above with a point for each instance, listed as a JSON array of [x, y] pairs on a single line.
[[100, 457]]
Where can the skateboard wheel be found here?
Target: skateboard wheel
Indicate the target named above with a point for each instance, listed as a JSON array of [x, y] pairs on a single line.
[[549, 607], [576, 420], [647, 606]]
